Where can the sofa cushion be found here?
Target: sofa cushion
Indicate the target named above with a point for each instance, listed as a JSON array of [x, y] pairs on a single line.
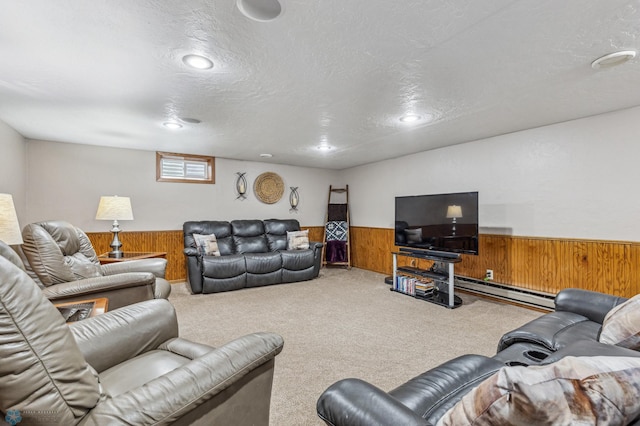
[[276, 230], [297, 260], [621, 325], [207, 245], [221, 229], [298, 240], [262, 263], [251, 244], [229, 266], [574, 390]]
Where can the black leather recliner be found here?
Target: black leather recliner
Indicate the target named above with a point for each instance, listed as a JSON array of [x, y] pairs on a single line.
[[252, 253], [571, 330]]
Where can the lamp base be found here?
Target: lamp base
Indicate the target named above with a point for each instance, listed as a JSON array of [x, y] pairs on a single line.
[[116, 254], [115, 243]]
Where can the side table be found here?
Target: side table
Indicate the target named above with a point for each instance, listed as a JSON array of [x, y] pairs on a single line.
[[81, 309], [131, 255]]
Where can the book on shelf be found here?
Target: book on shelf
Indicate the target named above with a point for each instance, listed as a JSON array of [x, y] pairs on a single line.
[[413, 286]]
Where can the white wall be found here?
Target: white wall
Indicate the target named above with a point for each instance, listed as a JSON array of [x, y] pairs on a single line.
[[577, 179], [13, 162], [67, 180]]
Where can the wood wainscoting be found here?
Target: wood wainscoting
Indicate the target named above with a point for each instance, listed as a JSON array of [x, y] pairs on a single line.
[[540, 264], [170, 242]]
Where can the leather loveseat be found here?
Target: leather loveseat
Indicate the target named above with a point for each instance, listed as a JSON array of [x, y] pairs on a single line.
[[125, 367], [251, 253], [571, 366]]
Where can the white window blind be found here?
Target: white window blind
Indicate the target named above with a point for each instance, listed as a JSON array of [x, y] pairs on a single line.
[[174, 167]]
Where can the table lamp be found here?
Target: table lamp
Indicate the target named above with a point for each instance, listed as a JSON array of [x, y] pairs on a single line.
[[9, 226], [115, 208], [454, 212]]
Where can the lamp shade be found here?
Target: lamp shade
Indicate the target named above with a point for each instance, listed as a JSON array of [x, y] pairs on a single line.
[[454, 211], [9, 226], [114, 208]]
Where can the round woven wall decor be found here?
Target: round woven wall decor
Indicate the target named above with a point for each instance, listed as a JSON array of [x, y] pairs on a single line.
[[268, 187]]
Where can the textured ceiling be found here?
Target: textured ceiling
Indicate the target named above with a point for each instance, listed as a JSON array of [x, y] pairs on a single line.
[[110, 73]]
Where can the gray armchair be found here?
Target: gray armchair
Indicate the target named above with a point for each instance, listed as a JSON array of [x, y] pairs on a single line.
[[126, 366], [60, 258]]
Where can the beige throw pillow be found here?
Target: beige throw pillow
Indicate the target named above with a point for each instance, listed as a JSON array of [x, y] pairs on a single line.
[[621, 325], [207, 245], [573, 391], [298, 240]]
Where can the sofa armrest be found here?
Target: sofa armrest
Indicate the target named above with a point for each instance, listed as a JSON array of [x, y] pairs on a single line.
[[354, 402], [590, 348], [168, 398], [590, 304], [121, 334], [314, 245], [156, 266], [91, 286], [190, 251], [317, 256]]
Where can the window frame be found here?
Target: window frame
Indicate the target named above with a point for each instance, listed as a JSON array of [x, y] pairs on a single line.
[[210, 163]]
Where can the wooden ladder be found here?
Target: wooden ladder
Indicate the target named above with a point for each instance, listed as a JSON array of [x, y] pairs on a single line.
[[327, 219]]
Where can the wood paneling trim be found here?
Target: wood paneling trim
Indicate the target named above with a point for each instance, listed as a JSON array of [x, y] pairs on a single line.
[[532, 263], [170, 242]]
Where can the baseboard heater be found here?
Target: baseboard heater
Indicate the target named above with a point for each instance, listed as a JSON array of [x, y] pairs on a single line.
[[532, 298]]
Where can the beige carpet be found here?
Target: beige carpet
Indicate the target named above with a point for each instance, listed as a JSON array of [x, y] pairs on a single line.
[[346, 323]]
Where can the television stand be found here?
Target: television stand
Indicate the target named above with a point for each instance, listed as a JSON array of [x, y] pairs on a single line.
[[425, 284]]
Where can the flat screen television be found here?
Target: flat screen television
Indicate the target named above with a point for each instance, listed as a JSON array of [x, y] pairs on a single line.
[[438, 222]]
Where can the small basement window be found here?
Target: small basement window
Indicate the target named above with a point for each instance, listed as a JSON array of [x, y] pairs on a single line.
[[189, 168]]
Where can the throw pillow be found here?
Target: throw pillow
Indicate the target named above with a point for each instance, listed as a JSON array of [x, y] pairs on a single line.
[[413, 235], [575, 390], [298, 240], [621, 325], [207, 245]]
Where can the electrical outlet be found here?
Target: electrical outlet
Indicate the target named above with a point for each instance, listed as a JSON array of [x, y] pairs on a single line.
[[489, 274]]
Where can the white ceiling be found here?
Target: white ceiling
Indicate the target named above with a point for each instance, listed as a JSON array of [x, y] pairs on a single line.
[[110, 72]]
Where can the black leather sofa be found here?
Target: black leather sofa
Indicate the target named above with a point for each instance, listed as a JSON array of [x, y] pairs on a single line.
[[252, 253], [572, 330]]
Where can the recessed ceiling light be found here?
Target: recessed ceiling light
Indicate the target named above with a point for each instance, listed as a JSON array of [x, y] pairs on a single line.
[[197, 62], [266, 155], [324, 147], [410, 118], [613, 59], [190, 120], [172, 125], [260, 10]]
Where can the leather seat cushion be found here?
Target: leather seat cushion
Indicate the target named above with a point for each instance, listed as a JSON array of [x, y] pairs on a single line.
[[297, 260], [262, 263], [137, 371], [229, 266]]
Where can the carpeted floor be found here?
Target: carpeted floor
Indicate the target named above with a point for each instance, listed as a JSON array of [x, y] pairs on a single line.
[[346, 323]]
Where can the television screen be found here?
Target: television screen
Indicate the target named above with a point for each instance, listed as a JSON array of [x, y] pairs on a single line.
[[440, 222]]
